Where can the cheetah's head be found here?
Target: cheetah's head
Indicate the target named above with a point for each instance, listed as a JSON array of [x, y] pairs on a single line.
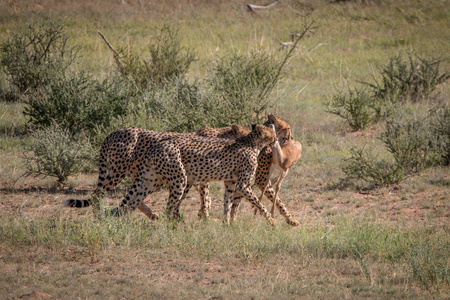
[[264, 135], [239, 131]]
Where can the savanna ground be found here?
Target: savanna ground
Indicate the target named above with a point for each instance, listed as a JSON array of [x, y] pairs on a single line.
[[388, 242]]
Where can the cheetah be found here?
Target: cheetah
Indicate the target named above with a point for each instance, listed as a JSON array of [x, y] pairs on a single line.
[[122, 151], [180, 162], [262, 176], [284, 133]]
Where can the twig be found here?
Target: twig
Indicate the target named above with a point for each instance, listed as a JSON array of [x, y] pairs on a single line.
[[107, 43], [116, 54], [253, 8], [307, 28], [302, 89]]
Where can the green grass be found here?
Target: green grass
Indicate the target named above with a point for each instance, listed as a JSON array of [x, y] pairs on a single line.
[[362, 251]]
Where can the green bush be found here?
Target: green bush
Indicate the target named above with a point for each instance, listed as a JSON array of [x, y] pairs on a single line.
[[168, 60], [56, 152], [78, 103], [35, 55], [364, 166], [409, 142], [356, 107], [244, 84], [401, 81], [415, 144], [235, 92], [440, 134], [179, 107], [412, 80]]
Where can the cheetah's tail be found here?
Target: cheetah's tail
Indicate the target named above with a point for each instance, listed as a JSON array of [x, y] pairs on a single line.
[[76, 203]]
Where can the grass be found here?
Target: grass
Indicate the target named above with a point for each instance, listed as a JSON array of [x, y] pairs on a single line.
[[351, 255], [390, 242]]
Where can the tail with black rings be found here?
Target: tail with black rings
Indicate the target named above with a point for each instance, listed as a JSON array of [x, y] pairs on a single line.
[[76, 203]]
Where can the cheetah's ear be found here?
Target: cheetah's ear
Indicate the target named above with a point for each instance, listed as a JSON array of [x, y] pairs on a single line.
[[234, 129], [258, 129], [271, 126]]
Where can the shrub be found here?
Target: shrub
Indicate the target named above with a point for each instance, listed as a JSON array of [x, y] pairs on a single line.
[[78, 103], [179, 106], [363, 165], [168, 60], [409, 142], [237, 91], [36, 54], [440, 134], [412, 80], [56, 152], [356, 107], [415, 143], [244, 83]]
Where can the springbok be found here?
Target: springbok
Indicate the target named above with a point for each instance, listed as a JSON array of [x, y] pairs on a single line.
[[285, 154]]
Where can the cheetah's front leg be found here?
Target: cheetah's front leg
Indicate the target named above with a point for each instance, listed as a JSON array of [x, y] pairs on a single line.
[[251, 197], [230, 186]]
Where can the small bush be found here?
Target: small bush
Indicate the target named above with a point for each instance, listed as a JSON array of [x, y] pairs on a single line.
[[56, 152], [179, 106], [78, 103], [415, 143], [244, 84], [363, 165], [36, 54], [401, 81], [168, 60], [356, 107], [412, 80], [236, 91], [440, 134], [409, 142]]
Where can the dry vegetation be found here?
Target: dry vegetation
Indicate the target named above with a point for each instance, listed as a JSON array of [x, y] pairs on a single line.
[[384, 242]]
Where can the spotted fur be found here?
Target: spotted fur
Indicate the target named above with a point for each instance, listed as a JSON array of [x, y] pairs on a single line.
[[284, 133], [179, 162], [122, 151]]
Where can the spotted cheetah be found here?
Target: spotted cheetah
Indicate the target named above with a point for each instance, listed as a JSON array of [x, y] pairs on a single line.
[[122, 150], [121, 153], [180, 161], [265, 159]]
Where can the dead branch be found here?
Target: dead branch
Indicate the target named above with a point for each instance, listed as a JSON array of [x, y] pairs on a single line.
[[253, 8], [116, 54], [107, 43]]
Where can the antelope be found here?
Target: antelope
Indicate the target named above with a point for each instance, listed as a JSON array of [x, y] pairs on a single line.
[[285, 154]]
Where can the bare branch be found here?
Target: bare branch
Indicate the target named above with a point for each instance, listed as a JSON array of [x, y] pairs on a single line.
[[107, 43], [253, 8]]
